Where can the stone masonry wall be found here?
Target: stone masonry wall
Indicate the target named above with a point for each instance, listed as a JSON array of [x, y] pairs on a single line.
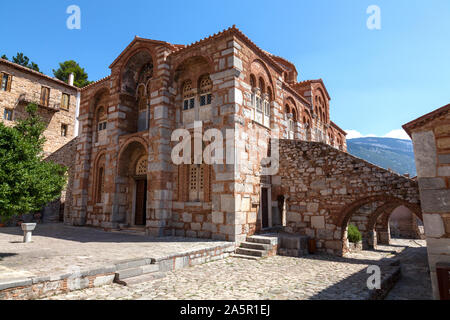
[[431, 141], [30, 83], [325, 187]]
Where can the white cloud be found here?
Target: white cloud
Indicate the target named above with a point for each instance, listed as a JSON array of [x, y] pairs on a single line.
[[396, 134], [353, 134]]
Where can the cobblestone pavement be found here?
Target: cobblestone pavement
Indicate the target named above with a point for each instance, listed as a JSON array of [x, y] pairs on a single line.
[[415, 283], [58, 249], [312, 277]]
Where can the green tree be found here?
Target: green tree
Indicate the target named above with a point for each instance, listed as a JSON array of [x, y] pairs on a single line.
[[4, 57], [27, 181], [68, 67], [24, 61]]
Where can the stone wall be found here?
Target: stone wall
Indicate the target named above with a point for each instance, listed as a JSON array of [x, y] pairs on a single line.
[[25, 88], [431, 139], [326, 188], [65, 156]]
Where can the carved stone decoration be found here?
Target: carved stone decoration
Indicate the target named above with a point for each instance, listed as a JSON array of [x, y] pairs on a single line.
[[141, 166]]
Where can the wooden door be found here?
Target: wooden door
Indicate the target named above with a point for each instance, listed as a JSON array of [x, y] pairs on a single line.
[[265, 207], [141, 203]]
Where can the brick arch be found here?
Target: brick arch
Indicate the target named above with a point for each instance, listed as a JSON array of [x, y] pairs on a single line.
[[177, 74], [143, 55], [93, 103], [125, 148], [346, 213], [386, 210], [99, 161], [266, 75]]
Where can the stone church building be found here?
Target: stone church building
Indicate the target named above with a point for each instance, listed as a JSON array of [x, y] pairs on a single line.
[[125, 176]]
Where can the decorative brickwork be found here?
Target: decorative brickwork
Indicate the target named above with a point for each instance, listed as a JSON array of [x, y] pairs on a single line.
[[225, 82]]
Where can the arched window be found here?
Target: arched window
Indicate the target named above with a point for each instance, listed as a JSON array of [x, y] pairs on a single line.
[[205, 86], [260, 101], [101, 120], [100, 180], [142, 108], [100, 185], [188, 96], [142, 99]]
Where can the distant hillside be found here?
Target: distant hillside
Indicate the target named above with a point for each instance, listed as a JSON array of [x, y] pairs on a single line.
[[395, 154]]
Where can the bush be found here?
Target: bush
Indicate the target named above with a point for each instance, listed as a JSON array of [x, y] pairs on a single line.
[[354, 235]]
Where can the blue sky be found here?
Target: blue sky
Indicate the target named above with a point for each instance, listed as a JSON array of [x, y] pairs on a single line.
[[378, 79]]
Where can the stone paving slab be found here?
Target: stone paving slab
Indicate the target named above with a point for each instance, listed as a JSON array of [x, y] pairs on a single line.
[[57, 250], [312, 277]]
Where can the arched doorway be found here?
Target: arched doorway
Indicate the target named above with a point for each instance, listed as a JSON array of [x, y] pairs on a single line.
[[371, 216], [132, 183]]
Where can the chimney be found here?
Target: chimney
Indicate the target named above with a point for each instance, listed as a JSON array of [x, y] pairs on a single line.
[[71, 78]]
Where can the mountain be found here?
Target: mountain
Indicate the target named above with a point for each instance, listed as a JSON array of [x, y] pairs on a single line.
[[387, 153]]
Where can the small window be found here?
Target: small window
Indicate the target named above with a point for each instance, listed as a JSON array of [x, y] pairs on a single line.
[[64, 129], [8, 114], [258, 104], [5, 82], [189, 104], [102, 126], [45, 96], [65, 100], [206, 99], [267, 108]]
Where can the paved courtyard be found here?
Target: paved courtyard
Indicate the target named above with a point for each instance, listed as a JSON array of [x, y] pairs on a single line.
[[58, 249], [312, 277]]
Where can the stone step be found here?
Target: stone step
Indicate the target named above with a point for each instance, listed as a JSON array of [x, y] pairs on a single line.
[[143, 278], [137, 271], [270, 240], [243, 256], [251, 252], [255, 245], [133, 263]]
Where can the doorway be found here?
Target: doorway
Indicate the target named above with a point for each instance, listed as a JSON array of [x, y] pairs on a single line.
[[140, 216]]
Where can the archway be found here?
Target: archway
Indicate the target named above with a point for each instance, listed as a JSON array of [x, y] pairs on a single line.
[[135, 82], [371, 216], [132, 184], [379, 222]]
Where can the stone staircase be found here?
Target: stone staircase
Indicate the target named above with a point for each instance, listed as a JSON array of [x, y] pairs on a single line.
[[257, 247], [135, 272]]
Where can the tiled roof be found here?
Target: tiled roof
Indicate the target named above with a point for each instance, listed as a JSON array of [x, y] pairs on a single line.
[[36, 73], [426, 118], [173, 47], [236, 31], [309, 82], [334, 125], [95, 83]]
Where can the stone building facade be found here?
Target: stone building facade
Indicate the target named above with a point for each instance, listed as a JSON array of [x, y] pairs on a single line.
[[431, 138], [57, 102], [57, 106], [125, 176]]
